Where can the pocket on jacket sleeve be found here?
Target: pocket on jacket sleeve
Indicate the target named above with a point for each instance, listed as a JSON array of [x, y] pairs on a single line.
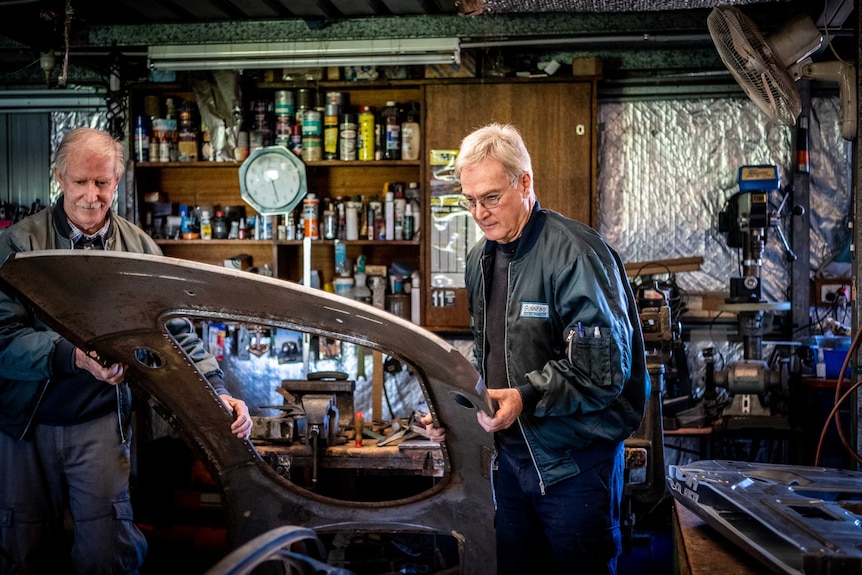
[[593, 355]]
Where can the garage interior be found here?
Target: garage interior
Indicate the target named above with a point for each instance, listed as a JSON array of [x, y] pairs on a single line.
[[734, 215]]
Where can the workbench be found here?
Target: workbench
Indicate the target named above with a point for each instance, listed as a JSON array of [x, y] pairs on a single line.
[[415, 457], [701, 550]]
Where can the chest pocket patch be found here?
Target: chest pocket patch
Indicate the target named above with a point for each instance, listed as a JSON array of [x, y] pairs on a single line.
[[535, 309]]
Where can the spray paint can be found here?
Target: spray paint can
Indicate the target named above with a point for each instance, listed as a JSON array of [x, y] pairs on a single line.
[[365, 140], [309, 215], [347, 138]]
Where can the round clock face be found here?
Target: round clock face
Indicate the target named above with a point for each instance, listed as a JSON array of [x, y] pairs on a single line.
[[272, 180]]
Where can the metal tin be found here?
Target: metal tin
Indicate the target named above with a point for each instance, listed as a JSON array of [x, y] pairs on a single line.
[[336, 98], [312, 140], [304, 99], [284, 104], [312, 123]]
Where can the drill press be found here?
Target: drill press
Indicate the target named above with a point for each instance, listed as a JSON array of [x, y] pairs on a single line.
[[745, 222]]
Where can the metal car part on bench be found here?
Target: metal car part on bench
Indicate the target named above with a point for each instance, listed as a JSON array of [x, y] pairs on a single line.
[[116, 305], [793, 519]]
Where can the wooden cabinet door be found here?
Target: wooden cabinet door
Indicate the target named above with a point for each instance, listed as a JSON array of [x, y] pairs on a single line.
[[557, 121]]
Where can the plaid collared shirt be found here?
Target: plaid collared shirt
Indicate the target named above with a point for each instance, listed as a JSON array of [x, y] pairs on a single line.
[[82, 241]]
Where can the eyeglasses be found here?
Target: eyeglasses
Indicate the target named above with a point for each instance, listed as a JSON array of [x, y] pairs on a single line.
[[489, 202]]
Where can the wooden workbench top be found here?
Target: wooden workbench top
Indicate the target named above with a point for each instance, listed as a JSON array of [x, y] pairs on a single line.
[[420, 456], [701, 550]]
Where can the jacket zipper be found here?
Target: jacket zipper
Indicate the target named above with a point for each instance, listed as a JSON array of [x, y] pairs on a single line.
[[508, 378], [569, 339], [120, 413], [492, 473], [35, 409]]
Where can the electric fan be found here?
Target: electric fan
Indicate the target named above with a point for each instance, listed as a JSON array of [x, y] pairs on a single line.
[[766, 67]]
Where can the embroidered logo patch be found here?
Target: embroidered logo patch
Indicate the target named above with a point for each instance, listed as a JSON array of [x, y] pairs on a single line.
[[533, 309]]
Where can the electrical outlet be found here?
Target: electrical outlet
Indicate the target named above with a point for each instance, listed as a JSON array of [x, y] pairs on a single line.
[[824, 291], [830, 293]]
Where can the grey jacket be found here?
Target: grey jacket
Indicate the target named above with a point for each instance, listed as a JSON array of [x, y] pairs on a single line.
[[573, 336], [32, 355]]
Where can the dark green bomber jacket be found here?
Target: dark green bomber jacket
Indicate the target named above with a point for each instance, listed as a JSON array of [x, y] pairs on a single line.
[[31, 354], [573, 335]]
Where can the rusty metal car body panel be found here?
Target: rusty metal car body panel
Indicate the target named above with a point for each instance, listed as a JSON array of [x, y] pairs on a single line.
[[116, 304]]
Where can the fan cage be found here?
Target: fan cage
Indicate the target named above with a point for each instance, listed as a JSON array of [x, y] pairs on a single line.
[[752, 60]]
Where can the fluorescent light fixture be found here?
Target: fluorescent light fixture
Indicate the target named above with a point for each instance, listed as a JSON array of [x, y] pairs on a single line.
[[240, 56], [50, 100]]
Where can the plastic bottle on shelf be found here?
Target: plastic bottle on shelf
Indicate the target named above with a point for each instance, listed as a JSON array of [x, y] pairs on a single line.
[[164, 149], [360, 291], [371, 218], [341, 258], [142, 139], [408, 222], [400, 209], [185, 221], [352, 221], [412, 194], [220, 228], [330, 225], [390, 144], [365, 139], [410, 137], [342, 219], [389, 214], [206, 225], [289, 227], [820, 366]]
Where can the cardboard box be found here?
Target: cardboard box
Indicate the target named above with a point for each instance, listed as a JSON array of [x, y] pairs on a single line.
[[587, 66], [466, 69], [375, 270], [240, 262]]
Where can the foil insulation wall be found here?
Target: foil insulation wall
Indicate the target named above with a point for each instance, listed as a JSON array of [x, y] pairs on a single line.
[[666, 169]]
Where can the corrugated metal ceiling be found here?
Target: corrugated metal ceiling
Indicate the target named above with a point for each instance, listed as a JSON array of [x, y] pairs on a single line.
[[30, 27]]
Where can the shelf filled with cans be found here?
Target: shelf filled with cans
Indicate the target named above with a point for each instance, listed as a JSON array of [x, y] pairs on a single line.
[[319, 125], [364, 199]]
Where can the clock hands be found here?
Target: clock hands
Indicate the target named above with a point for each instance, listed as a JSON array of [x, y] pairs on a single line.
[[274, 189]]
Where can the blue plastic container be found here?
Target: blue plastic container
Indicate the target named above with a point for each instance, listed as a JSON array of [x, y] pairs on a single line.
[[834, 359]]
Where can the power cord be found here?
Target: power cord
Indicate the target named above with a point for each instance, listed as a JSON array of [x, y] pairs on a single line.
[[839, 400]]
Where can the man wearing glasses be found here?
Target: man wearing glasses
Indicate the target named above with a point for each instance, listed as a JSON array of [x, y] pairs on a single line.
[[558, 342]]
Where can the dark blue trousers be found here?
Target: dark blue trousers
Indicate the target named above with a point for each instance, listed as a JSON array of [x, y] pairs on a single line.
[[573, 528]]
